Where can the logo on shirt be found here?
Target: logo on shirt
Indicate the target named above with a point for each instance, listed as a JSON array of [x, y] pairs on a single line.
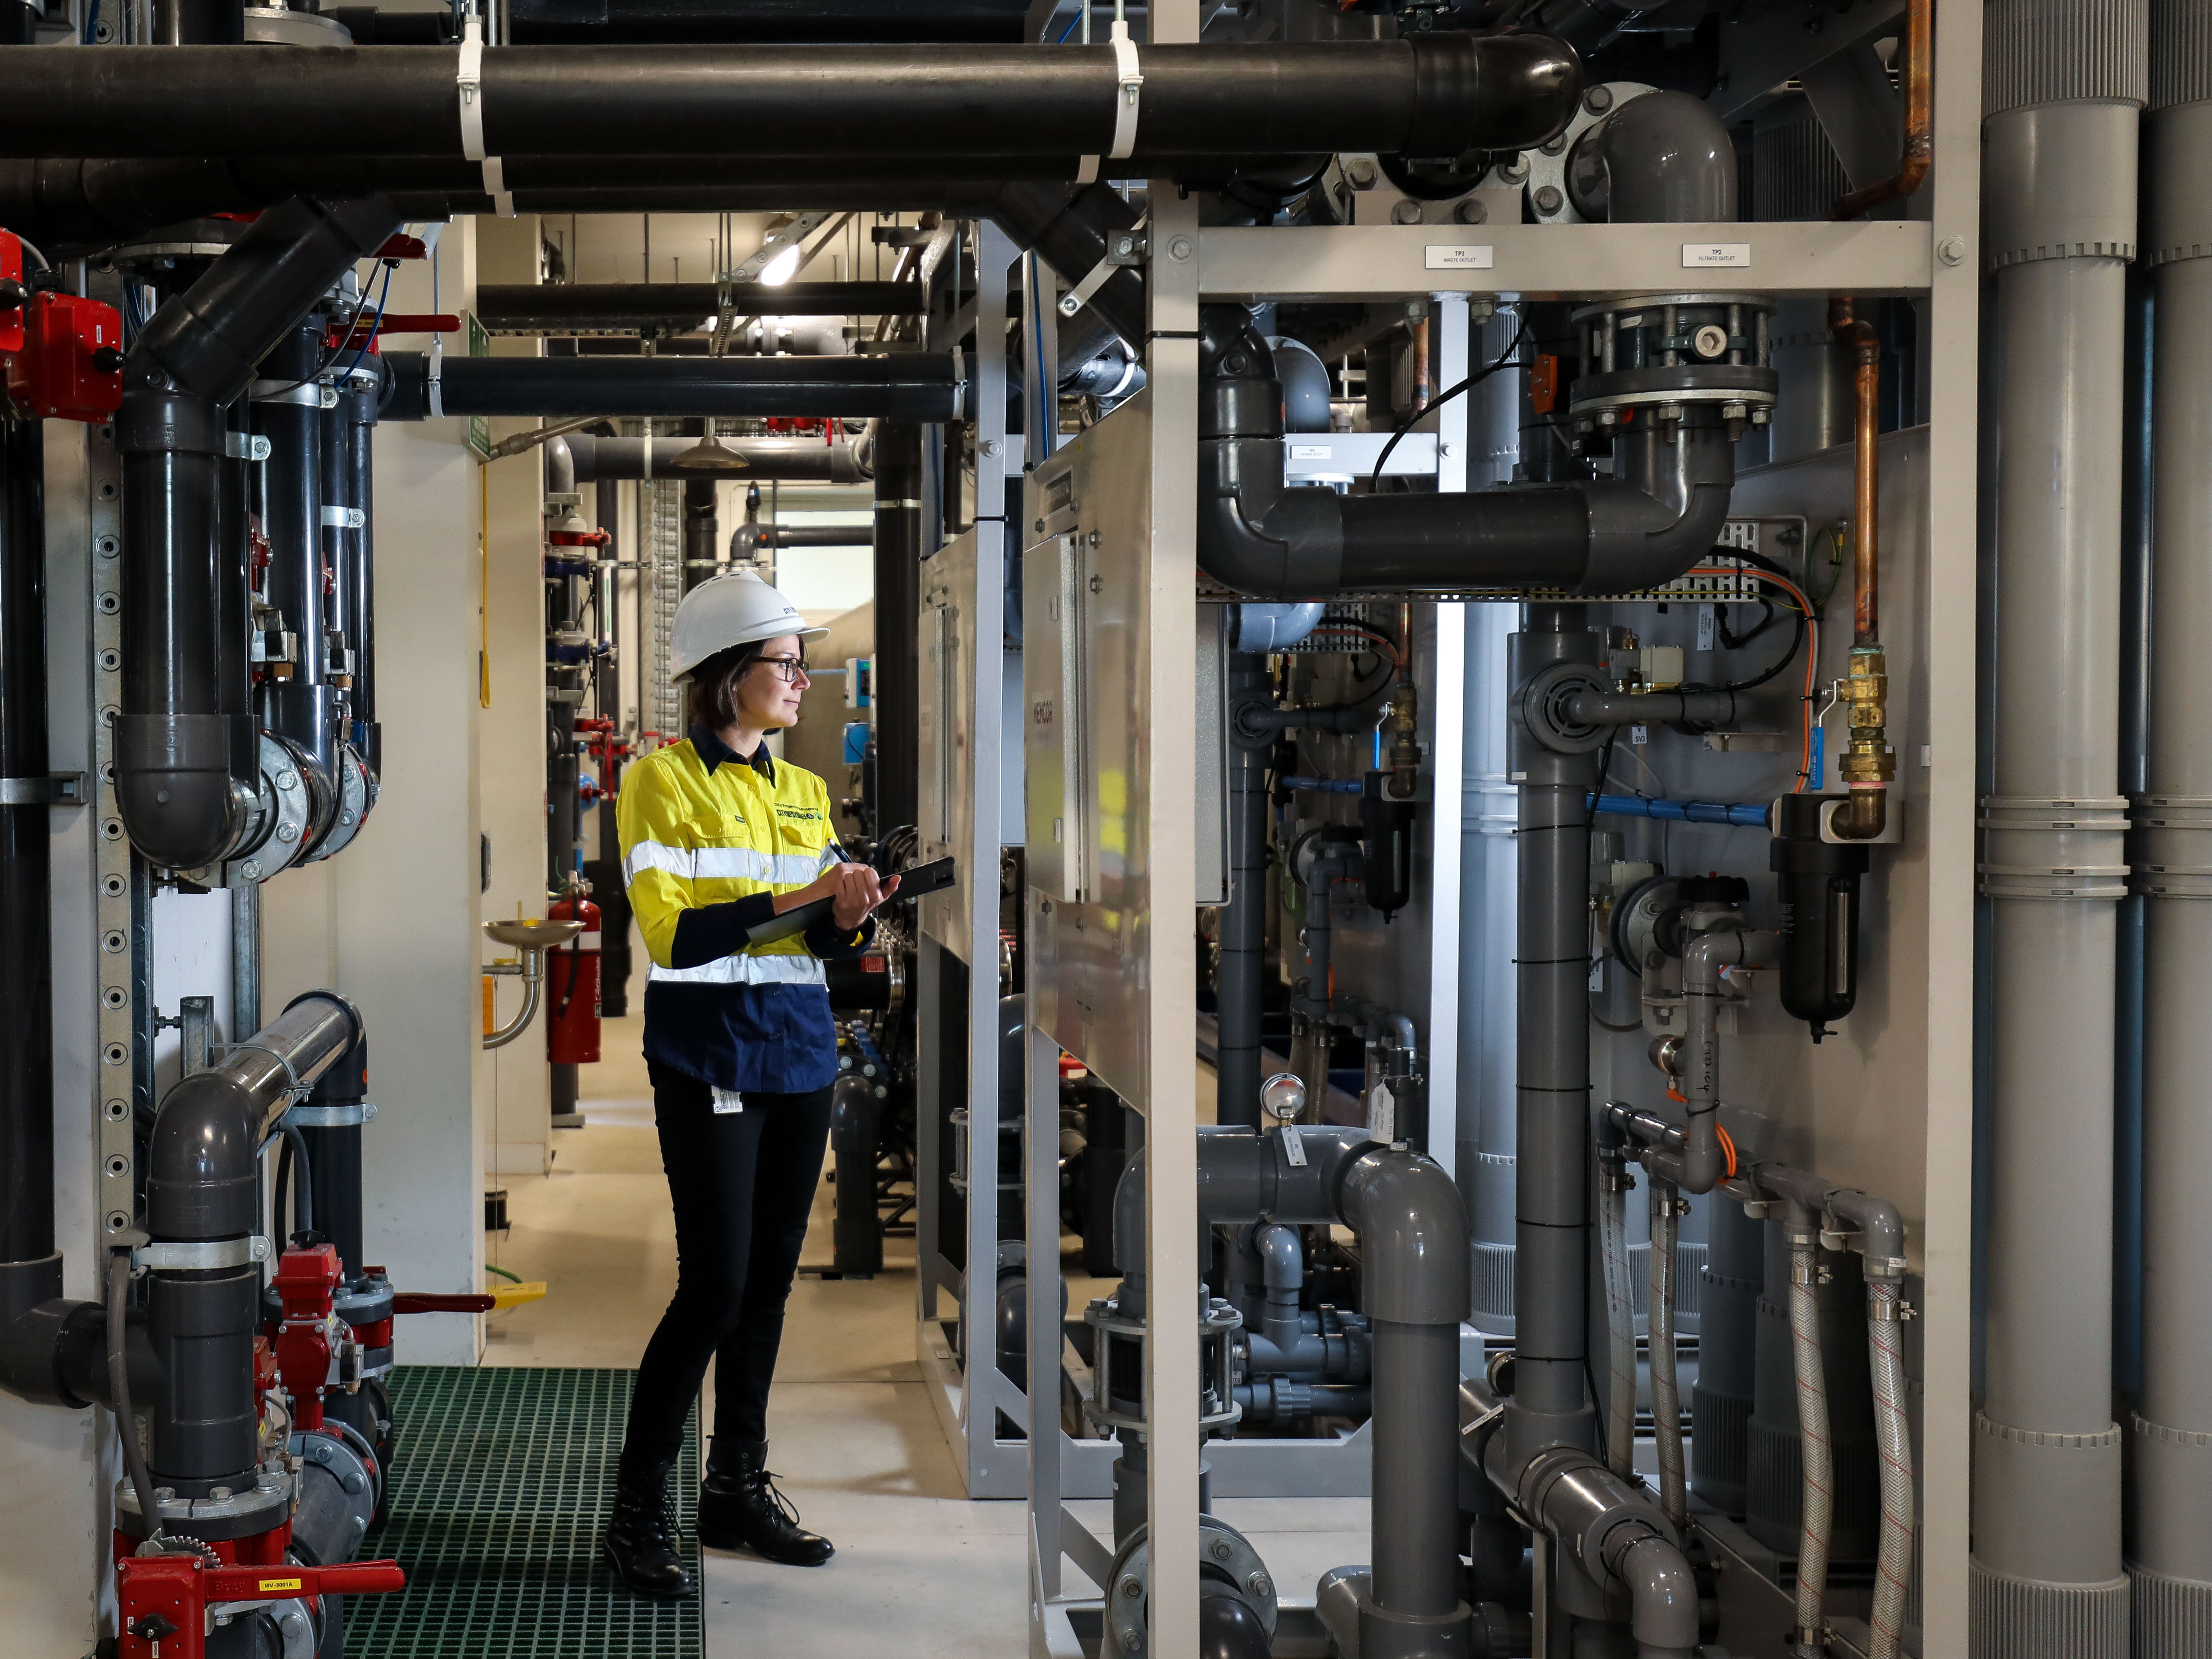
[[810, 814]]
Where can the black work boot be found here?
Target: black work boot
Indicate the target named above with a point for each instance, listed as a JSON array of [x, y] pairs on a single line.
[[640, 1536], [740, 1509]]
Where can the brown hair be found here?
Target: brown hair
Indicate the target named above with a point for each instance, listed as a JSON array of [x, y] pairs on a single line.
[[713, 698]]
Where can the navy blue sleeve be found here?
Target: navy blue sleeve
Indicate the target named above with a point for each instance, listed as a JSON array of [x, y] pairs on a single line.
[[832, 943], [711, 931]]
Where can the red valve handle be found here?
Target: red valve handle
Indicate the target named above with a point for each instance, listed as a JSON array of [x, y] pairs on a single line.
[[418, 1302]]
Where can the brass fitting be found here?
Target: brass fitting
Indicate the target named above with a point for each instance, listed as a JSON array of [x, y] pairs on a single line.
[[1404, 752], [1869, 764], [1869, 759]]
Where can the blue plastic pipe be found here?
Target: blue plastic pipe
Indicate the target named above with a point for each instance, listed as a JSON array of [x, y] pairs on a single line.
[[1685, 811]]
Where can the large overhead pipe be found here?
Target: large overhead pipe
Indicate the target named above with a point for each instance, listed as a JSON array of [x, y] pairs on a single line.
[[185, 770], [2170, 1558], [597, 23], [2062, 90], [905, 386], [1429, 94]]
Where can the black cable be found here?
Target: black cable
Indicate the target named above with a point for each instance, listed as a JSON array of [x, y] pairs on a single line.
[[1761, 563], [1504, 357], [118, 1389]]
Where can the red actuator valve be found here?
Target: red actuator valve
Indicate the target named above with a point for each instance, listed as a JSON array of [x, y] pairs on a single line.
[[162, 1601], [67, 363], [305, 1281]]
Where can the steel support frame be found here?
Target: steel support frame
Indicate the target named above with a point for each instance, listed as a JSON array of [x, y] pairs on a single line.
[[971, 1398], [1936, 258]]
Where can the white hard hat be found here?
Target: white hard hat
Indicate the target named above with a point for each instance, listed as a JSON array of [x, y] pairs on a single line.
[[736, 609]]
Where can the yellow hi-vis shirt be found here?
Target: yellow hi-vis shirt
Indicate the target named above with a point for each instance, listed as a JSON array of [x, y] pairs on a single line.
[[708, 839]]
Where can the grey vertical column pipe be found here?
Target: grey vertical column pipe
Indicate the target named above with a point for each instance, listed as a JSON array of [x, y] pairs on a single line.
[[2170, 1531], [2062, 87], [1244, 918], [1813, 407], [1720, 1400], [1551, 1405]]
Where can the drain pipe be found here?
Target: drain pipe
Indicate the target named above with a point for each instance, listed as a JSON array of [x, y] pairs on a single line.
[[1668, 1209], [2062, 90], [1613, 1185], [1489, 852], [1439, 94], [2171, 1559], [185, 773]]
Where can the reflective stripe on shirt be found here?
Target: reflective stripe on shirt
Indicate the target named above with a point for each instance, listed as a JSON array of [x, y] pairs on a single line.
[[746, 969]]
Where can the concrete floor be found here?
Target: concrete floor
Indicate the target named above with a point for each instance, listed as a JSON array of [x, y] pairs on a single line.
[[853, 1435]]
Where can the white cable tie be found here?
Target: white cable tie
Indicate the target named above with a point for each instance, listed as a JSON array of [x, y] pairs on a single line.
[[468, 82], [436, 384]]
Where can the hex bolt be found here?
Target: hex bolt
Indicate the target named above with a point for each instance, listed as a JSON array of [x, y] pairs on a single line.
[[1548, 199], [1406, 213], [1361, 175], [1132, 1588], [1471, 212], [1598, 100], [1221, 1551], [1258, 1584]]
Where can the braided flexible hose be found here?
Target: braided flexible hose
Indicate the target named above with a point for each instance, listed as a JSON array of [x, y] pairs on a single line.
[[1817, 1454], [1894, 1562], [1666, 1396]]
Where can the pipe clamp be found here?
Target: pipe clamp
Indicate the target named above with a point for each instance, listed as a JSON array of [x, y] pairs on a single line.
[[1128, 84], [328, 1117], [54, 789], [468, 83], [199, 1257]]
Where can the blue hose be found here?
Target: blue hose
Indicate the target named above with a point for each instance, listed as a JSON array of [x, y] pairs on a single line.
[[1325, 786], [1685, 811]]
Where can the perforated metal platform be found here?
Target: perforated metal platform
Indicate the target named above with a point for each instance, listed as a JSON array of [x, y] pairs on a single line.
[[503, 1477]]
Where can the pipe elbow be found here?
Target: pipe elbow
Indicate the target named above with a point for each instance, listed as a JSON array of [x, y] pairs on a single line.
[[1663, 1593], [1282, 1261], [1883, 1227], [1413, 1237], [202, 1176], [175, 789], [1638, 541], [1664, 158], [1490, 92]]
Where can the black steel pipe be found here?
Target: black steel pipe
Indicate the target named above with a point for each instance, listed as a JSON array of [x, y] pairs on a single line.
[[30, 1267], [302, 582], [822, 21], [565, 307], [1430, 94], [906, 386]]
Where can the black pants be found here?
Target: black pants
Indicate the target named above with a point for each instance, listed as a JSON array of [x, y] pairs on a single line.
[[742, 1183]]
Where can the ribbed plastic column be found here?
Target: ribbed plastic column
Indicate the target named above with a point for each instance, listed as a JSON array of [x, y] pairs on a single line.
[[2064, 83], [1488, 886], [1488, 882], [2170, 1535]]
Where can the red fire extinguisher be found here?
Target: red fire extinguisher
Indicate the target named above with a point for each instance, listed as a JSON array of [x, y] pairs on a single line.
[[572, 988]]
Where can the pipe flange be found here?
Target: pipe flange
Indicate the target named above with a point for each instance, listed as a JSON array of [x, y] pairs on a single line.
[[1549, 200], [222, 1515], [1225, 1559], [284, 811], [293, 1625], [338, 1451], [356, 795], [1548, 708]]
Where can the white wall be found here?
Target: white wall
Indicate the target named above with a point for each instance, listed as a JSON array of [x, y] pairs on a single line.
[[392, 921]]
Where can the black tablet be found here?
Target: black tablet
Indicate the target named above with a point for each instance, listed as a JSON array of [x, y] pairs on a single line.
[[931, 877]]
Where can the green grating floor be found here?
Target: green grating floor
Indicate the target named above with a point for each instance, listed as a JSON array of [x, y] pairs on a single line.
[[502, 1479]]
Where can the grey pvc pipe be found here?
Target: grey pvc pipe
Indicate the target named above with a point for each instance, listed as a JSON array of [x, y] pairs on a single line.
[[1411, 1231], [1608, 1529], [2171, 1490], [2063, 91], [1614, 1182], [1699, 1163], [1329, 863], [1550, 1406]]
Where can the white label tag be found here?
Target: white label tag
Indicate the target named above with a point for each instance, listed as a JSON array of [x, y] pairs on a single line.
[[1311, 452], [1460, 255], [728, 1101], [1736, 256], [1381, 1113], [1294, 1146]]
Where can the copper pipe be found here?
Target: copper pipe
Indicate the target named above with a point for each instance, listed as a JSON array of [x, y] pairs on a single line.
[[1918, 47], [1858, 335], [1870, 764]]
